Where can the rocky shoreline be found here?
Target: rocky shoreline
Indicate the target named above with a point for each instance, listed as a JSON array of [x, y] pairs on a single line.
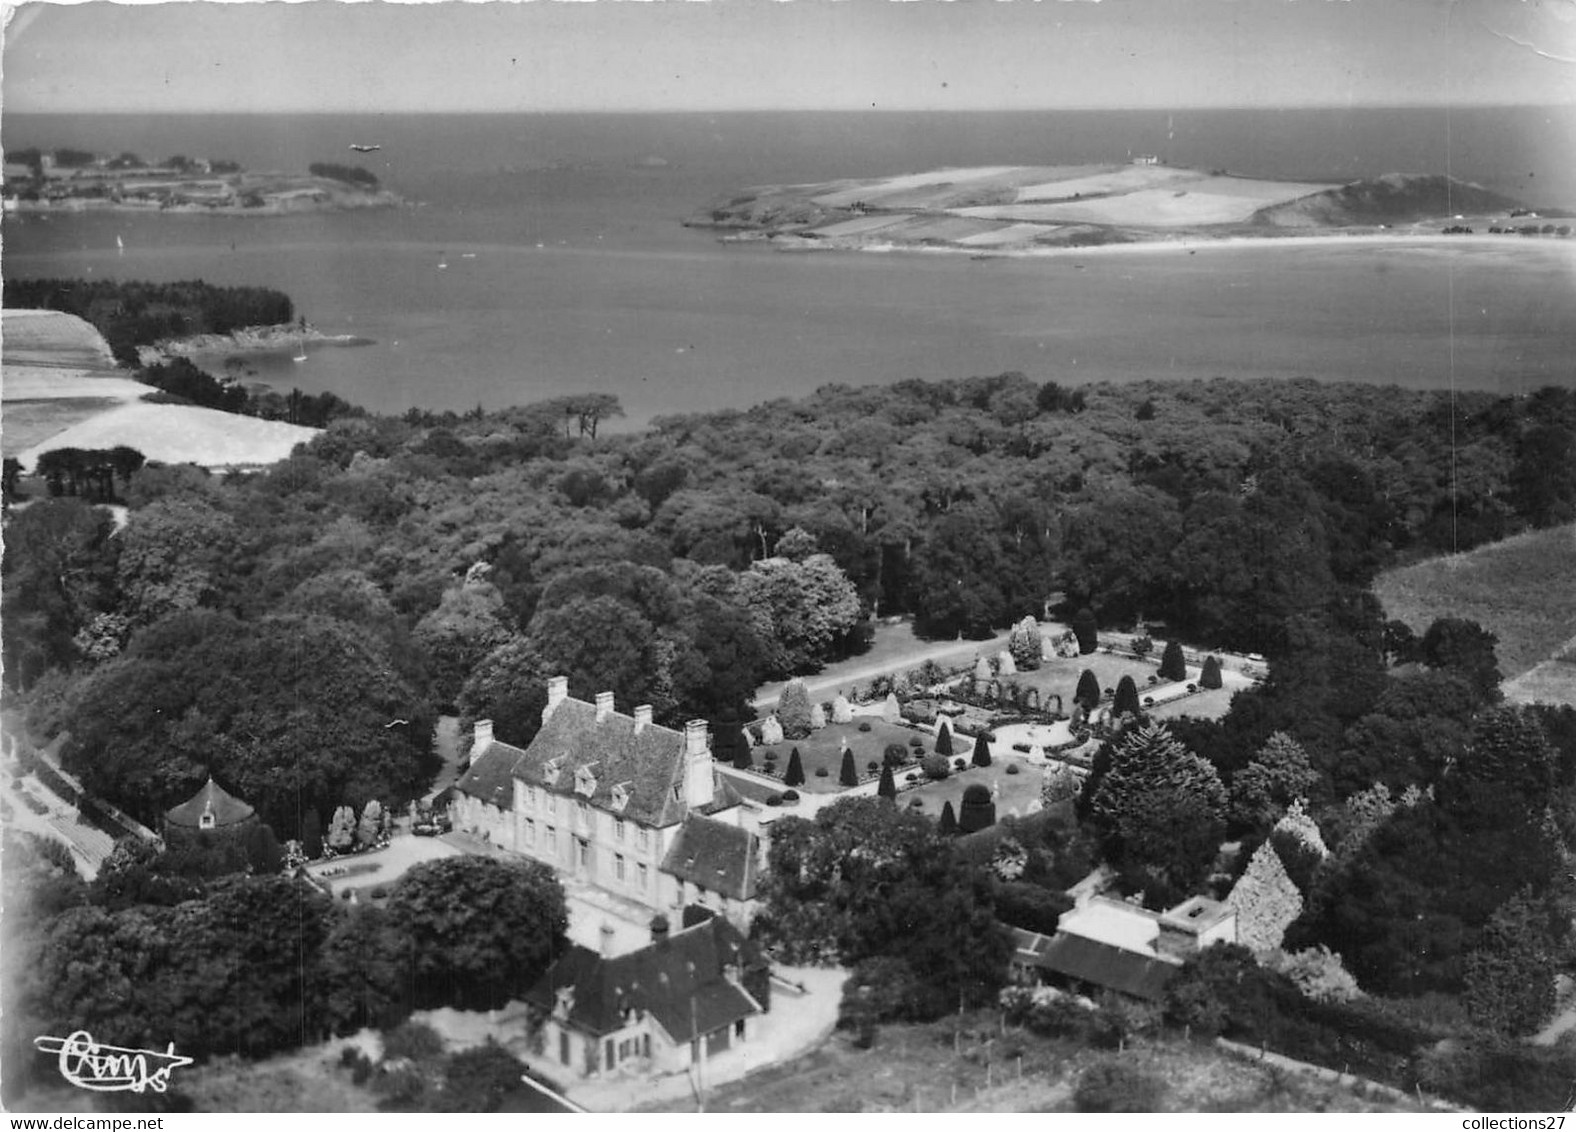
[[250, 340]]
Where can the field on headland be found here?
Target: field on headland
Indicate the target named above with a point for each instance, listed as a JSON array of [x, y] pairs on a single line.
[[62, 390], [1521, 590], [1017, 209]]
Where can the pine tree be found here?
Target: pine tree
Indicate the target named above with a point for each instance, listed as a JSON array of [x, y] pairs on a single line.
[[981, 751], [949, 820], [944, 740], [795, 775], [1126, 702], [1173, 665], [1210, 677], [1088, 692], [849, 775], [888, 787], [742, 759]]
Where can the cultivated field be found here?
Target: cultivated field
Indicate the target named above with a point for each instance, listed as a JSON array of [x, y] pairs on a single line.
[[1521, 590]]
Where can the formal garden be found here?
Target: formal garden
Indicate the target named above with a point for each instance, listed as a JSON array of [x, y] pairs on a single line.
[[820, 754]]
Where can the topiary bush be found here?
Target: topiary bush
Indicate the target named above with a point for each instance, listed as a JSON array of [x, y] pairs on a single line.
[[1012, 768], [895, 755], [774, 799], [917, 743], [935, 766], [865, 726], [820, 772], [790, 796], [795, 775], [1173, 665], [1210, 676], [978, 810]]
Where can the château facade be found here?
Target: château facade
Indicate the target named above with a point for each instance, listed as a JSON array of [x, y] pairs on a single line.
[[616, 801]]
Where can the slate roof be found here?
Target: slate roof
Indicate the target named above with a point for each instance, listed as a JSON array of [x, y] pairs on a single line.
[[681, 981], [1090, 961], [227, 808], [715, 856], [649, 764]]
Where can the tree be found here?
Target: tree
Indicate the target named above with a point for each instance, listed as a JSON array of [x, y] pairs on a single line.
[[480, 929], [948, 824], [365, 970], [793, 710], [981, 751], [174, 556], [1026, 645], [1265, 900], [978, 809], [59, 573], [371, 825], [1278, 775], [342, 830], [469, 623], [795, 775], [478, 1079], [1126, 701], [1210, 676], [1088, 693], [888, 787], [802, 610], [1465, 647], [1173, 665], [848, 776], [1510, 975], [1160, 808], [1085, 629], [944, 739]]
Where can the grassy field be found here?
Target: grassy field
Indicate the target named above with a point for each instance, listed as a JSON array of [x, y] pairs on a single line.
[[973, 1064], [1521, 590]]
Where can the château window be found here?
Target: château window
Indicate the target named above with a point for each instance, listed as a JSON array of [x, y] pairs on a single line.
[[585, 851], [643, 875], [643, 837], [583, 811], [550, 843], [618, 829], [618, 865], [530, 832]]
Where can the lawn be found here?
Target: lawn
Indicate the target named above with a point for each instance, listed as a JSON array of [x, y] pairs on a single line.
[[1017, 791], [1510, 588], [823, 749]]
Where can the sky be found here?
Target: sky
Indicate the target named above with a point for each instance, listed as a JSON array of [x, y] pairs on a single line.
[[715, 55]]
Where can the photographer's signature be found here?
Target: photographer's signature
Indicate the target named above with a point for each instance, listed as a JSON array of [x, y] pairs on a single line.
[[111, 1069]]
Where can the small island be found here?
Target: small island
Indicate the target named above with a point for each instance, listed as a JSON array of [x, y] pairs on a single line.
[[69, 180], [1016, 209]]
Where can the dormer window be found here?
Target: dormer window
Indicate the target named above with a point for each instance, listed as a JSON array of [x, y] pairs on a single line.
[[550, 770], [206, 821], [620, 797], [585, 780]]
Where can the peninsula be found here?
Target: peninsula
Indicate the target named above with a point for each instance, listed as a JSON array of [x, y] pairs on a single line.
[[1015, 209], [67, 180]]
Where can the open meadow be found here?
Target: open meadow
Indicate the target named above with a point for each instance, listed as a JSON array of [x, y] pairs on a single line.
[[1521, 590]]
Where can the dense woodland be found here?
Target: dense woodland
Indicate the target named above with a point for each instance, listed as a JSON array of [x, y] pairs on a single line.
[[295, 632], [132, 314]]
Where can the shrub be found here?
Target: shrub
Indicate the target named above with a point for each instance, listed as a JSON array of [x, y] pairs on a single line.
[[1210, 677], [1088, 692], [1029, 906], [888, 787], [380, 892], [935, 766], [793, 710], [865, 726], [911, 776], [917, 804], [1192, 687], [1022, 748], [821, 772], [774, 799], [1126, 700], [849, 774], [790, 796], [895, 755], [917, 743], [1114, 1086], [959, 765], [415, 1041], [944, 739], [1012, 768], [949, 820], [872, 766], [795, 775], [1149, 701], [981, 752]]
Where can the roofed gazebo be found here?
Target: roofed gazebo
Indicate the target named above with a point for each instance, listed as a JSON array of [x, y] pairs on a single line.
[[212, 812]]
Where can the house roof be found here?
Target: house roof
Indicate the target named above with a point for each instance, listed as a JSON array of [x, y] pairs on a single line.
[[1090, 961], [716, 856], [682, 981], [649, 763], [227, 809]]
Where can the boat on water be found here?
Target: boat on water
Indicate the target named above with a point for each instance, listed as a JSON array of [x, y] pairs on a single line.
[[300, 354]]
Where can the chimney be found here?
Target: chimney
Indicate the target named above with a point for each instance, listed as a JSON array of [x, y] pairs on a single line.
[[642, 718], [557, 693], [607, 941], [604, 705], [482, 738], [698, 778]]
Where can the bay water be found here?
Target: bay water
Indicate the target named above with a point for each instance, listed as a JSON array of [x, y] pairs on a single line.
[[546, 254]]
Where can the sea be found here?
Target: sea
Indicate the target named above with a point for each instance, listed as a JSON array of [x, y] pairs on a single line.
[[545, 254]]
